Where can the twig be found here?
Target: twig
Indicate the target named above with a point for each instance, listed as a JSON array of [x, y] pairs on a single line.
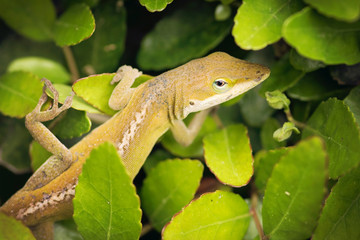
[[146, 228], [254, 200], [71, 63]]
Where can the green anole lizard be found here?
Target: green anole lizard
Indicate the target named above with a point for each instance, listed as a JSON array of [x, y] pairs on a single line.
[[147, 112]]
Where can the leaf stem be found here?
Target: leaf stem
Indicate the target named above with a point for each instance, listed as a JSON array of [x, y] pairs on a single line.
[[146, 228], [71, 63], [254, 201], [292, 119]]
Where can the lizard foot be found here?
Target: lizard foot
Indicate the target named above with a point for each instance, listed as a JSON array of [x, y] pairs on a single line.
[[126, 72]]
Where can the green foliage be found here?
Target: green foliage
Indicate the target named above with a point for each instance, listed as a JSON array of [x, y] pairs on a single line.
[[176, 39], [292, 202], [333, 121], [206, 215], [79, 45], [110, 208], [232, 163], [166, 191], [13, 229]]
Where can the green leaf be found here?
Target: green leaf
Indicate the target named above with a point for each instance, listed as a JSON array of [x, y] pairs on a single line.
[[77, 103], [165, 191], [13, 229], [258, 23], [295, 191], [96, 90], [283, 76], [66, 229], [186, 34], [33, 19], [195, 149], [266, 134], [41, 67], [15, 145], [312, 34], [218, 215], [73, 123], [38, 155], [228, 155], [106, 205], [347, 10], [254, 108], [101, 53], [74, 26], [19, 93], [353, 101], [265, 164], [334, 122], [340, 216], [304, 64], [155, 5], [317, 85]]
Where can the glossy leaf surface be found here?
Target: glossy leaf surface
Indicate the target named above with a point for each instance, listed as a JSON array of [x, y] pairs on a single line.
[[228, 155], [165, 190], [295, 191], [106, 205], [218, 215]]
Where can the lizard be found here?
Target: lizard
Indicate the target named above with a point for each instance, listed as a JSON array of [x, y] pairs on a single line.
[[145, 114]]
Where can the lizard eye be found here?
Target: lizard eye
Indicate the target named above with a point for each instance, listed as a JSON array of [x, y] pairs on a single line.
[[220, 85]]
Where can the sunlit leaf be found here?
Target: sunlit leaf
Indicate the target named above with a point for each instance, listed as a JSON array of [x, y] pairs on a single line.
[[13, 229], [19, 93], [96, 90], [334, 122], [41, 67], [312, 34], [155, 5], [218, 215], [77, 103], [165, 191], [186, 34], [295, 191], [348, 10], [106, 205], [33, 19], [74, 26], [341, 212], [228, 155], [258, 23]]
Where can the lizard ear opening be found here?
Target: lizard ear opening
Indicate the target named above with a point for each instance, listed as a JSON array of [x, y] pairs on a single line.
[[221, 85]]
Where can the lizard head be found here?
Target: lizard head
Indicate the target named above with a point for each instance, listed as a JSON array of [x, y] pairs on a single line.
[[218, 78]]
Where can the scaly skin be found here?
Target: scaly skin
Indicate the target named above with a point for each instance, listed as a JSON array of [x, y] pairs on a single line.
[[155, 106]]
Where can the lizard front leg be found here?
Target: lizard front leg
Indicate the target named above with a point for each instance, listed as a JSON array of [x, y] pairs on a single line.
[[122, 93], [186, 135], [62, 158]]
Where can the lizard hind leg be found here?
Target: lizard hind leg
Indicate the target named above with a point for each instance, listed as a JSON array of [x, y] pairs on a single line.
[[62, 158]]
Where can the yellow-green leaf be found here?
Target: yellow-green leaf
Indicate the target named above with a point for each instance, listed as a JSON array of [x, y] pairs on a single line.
[[228, 155]]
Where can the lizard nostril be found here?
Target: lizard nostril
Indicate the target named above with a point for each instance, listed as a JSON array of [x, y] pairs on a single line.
[[191, 103]]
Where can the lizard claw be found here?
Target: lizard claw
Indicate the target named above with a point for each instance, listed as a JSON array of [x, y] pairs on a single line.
[[125, 71]]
